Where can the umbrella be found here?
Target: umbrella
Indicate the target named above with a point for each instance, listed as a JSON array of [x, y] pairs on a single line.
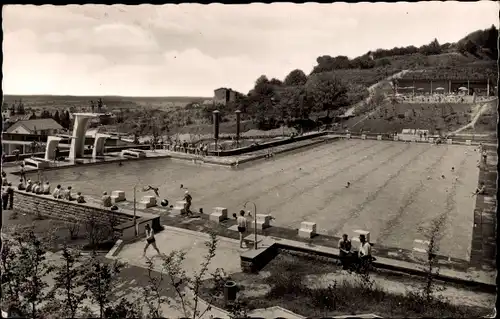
[[462, 88], [439, 89]]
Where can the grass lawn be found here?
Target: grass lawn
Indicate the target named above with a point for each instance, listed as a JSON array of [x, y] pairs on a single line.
[[44, 226], [281, 283]]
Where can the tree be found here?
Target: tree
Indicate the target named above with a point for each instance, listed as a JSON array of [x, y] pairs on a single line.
[[20, 108], [327, 92], [292, 102], [296, 77], [69, 279], [45, 114], [56, 117], [67, 120], [99, 281], [32, 116], [275, 82], [23, 269], [261, 80]]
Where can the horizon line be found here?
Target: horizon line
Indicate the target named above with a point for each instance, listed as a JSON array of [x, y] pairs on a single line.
[[126, 96]]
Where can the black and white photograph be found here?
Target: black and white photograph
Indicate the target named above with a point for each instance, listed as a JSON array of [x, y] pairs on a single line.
[[279, 160]]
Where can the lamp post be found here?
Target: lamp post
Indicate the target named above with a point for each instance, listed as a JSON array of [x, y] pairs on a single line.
[[238, 119], [135, 220], [255, 222]]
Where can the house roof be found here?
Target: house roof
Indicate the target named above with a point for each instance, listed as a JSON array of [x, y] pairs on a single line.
[[221, 89], [38, 125]]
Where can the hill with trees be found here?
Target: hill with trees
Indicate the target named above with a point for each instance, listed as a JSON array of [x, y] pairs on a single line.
[[335, 83]]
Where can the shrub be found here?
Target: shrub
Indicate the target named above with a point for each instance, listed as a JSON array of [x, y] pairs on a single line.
[[286, 282]]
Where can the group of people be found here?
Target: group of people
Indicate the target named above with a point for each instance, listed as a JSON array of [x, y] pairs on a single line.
[[360, 259], [38, 187], [200, 149]]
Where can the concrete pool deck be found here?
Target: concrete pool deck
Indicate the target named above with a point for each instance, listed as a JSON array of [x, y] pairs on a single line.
[[396, 188]]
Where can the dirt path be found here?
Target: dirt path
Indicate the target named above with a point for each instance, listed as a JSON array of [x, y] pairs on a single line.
[[371, 90], [478, 110]]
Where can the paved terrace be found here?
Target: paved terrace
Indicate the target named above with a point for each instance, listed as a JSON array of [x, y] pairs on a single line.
[[396, 189]]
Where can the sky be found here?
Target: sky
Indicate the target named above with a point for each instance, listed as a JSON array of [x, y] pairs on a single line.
[[191, 49]]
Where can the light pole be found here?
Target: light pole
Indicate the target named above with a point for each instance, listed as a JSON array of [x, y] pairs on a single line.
[[135, 220], [255, 222]]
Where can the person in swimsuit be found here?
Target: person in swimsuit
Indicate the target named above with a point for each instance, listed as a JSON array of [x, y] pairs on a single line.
[[242, 226], [150, 240], [154, 189]]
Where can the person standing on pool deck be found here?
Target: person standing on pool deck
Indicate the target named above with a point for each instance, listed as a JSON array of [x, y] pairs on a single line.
[[242, 226], [22, 172], [150, 240], [188, 199]]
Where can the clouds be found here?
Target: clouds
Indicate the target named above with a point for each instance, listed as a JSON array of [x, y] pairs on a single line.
[[190, 49]]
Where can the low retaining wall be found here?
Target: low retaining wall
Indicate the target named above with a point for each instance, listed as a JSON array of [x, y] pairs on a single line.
[[248, 149], [252, 261], [71, 211]]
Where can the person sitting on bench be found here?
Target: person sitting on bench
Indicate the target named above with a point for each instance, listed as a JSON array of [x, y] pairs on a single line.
[[46, 188], [79, 198], [364, 253], [106, 200], [21, 186], [344, 251], [480, 190], [57, 192]]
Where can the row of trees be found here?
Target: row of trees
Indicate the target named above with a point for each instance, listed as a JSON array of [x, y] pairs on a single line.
[[378, 58], [274, 102]]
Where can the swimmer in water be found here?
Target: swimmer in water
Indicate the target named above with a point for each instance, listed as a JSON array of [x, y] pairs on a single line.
[[453, 169], [182, 186], [442, 176], [348, 185], [120, 164], [154, 189]]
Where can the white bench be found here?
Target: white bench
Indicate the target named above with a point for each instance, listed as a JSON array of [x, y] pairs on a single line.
[[263, 221], [468, 142], [117, 196], [147, 201], [379, 137], [307, 229], [133, 153], [420, 249], [449, 141], [36, 162], [363, 136], [219, 214], [355, 238]]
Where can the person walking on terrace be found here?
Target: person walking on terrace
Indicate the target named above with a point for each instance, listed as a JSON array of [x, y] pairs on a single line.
[[150, 240]]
